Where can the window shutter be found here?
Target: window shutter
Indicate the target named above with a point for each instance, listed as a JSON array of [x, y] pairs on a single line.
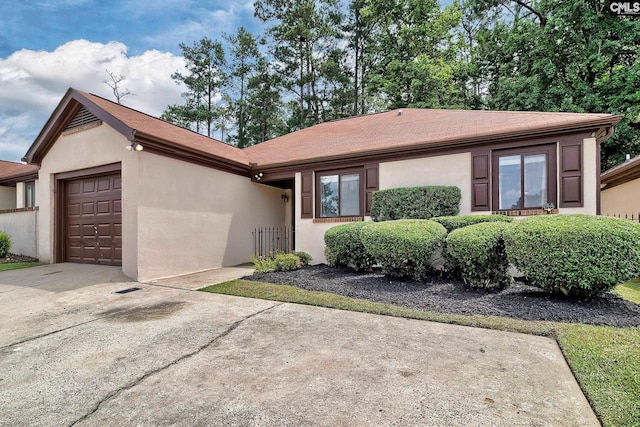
[[571, 191], [307, 195], [370, 185], [480, 185]]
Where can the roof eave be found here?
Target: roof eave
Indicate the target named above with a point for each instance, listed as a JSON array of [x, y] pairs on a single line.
[[165, 147]]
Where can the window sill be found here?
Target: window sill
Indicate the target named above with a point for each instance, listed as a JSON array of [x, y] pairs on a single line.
[[338, 219], [525, 212]]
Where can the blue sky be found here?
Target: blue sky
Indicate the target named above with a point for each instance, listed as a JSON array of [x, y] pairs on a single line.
[[47, 46], [140, 25]]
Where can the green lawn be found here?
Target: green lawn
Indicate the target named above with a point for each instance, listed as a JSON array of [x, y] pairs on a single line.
[[605, 360], [16, 265], [630, 291]]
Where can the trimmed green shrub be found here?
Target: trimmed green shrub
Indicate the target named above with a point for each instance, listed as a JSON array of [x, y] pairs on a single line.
[[344, 247], [287, 262], [579, 255], [5, 244], [305, 258], [415, 203], [403, 248], [478, 254], [454, 222], [279, 262]]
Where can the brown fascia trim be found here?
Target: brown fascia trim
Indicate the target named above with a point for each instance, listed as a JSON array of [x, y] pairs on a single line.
[[167, 148], [12, 180], [621, 174], [417, 151], [63, 113]]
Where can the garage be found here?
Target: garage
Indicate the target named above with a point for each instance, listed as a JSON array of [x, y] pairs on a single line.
[[93, 220]]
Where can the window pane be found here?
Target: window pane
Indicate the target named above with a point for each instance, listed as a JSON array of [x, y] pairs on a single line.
[[329, 196], [29, 194], [535, 180], [509, 182], [350, 195]]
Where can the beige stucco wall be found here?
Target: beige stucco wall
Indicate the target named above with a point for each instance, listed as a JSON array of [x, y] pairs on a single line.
[[623, 199], [22, 227], [177, 217], [193, 218], [93, 147], [451, 169], [7, 197], [590, 175]]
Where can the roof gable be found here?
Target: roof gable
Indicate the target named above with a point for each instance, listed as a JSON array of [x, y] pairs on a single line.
[[154, 134]]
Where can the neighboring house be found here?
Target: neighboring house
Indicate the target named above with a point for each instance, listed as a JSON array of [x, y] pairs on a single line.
[[18, 216], [187, 202], [620, 190]]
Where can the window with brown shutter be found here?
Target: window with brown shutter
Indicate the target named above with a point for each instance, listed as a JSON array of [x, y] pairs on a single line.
[[307, 195], [480, 194], [571, 191]]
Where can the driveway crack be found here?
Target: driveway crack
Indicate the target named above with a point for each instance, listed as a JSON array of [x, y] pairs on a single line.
[[115, 393]]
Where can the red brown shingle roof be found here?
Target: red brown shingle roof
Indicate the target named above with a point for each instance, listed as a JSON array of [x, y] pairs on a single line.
[[156, 128], [13, 171], [413, 128]]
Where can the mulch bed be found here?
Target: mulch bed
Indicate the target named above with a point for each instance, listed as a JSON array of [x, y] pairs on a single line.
[[445, 295], [18, 258]]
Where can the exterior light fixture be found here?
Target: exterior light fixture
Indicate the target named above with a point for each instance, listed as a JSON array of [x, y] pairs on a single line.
[[135, 146], [258, 176], [285, 198]]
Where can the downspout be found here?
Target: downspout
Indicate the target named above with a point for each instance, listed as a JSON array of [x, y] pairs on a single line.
[[606, 134]]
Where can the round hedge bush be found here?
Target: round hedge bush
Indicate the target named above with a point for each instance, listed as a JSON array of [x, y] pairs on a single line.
[[5, 244], [344, 247], [403, 247], [454, 222], [579, 255], [478, 254]]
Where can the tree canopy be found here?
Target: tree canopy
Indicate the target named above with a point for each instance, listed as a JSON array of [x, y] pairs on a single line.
[[321, 60]]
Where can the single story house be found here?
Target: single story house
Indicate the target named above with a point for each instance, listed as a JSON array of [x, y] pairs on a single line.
[[117, 186], [620, 190], [18, 213]]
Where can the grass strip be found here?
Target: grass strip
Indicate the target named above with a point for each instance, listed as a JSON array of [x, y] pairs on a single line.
[[630, 291], [605, 360], [17, 265]]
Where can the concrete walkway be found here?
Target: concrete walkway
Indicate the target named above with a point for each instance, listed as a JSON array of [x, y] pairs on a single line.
[[73, 352]]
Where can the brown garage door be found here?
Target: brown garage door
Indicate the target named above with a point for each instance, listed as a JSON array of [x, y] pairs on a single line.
[[93, 220]]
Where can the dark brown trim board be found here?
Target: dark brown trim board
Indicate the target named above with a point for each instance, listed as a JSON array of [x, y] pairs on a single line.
[[571, 178]]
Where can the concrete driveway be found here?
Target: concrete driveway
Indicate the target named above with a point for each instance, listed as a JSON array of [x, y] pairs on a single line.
[[73, 352]]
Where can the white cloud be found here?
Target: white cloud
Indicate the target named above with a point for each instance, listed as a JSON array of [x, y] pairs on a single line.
[[33, 82]]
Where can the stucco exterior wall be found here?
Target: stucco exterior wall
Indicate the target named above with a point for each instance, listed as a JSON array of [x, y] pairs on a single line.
[[623, 199], [590, 175], [193, 218], [22, 227], [7, 197], [451, 169], [93, 147]]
